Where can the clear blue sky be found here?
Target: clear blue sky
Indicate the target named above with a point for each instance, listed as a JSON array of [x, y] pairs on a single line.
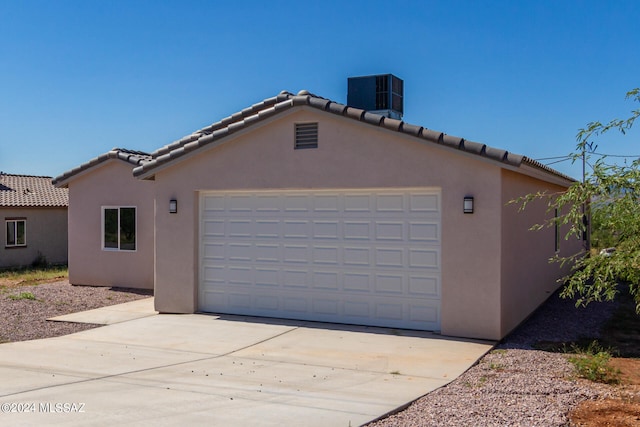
[[78, 78]]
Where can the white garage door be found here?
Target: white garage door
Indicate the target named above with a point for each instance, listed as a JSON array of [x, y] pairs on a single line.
[[349, 256]]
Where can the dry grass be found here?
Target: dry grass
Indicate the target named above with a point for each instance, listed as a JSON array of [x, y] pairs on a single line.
[[32, 276]]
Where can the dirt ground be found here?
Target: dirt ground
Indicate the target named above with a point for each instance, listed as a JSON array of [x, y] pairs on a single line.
[[623, 411]]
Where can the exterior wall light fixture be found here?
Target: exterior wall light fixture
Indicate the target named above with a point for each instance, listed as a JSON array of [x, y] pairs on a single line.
[[468, 205], [173, 206]]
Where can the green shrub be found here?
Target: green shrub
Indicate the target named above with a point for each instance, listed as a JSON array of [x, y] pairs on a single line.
[[592, 363], [23, 295]]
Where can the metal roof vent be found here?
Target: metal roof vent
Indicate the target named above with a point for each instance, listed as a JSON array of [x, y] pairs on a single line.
[[306, 135], [381, 94]]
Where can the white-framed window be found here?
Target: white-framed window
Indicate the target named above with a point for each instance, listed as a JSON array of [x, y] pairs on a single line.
[[16, 232], [119, 228]]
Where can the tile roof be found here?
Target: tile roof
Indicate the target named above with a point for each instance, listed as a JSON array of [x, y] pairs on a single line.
[[135, 158], [31, 191], [145, 164], [286, 100]]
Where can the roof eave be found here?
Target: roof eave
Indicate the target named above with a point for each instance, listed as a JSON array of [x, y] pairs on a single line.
[[217, 138], [544, 173], [63, 180]]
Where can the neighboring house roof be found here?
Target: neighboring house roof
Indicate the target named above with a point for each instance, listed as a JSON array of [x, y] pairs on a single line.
[[286, 100], [135, 158], [30, 191], [145, 165]]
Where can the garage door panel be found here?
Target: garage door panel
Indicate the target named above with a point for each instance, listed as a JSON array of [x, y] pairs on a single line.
[[423, 258], [389, 284], [357, 282], [389, 311], [357, 204], [424, 203], [325, 306], [390, 231], [359, 257], [297, 229], [238, 204], [212, 273], [239, 301], [326, 230], [239, 275], [326, 255], [424, 286], [214, 251], [389, 257], [214, 228], [239, 228], [299, 254], [324, 203], [213, 203], [239, 251], [296, 278], [390, 203], [326, 280], [417, 315], [269, 253], [356, 230], [357, 311], [268, 277], [295, 307], [423, 313], [267, 229], [424, 232], [297, 204], [267, 302], [268, 203]]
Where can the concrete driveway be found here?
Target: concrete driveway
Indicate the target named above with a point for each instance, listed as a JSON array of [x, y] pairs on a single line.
[[145, 369]]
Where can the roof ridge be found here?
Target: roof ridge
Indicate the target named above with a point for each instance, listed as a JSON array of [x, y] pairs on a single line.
[[129, 151], [223, 123], [285, 100], [22, 175], [134, 157]]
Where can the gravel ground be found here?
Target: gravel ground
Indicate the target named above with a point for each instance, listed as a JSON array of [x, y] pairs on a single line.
[[24, 319], [515, 385]]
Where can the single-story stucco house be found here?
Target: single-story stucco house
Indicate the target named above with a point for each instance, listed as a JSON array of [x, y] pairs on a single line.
[[303, 208], [34, 213]]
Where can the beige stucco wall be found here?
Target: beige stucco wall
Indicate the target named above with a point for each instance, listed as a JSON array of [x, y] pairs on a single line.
[[528, 278], [109, 184], [46, 236], [350, 155]]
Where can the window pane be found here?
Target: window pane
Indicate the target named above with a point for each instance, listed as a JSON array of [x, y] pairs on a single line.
[[11, 233], [128, 229], [21, 235], [111, 228]]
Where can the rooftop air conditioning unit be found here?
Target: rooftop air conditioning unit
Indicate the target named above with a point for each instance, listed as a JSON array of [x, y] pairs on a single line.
[[380, 94]]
